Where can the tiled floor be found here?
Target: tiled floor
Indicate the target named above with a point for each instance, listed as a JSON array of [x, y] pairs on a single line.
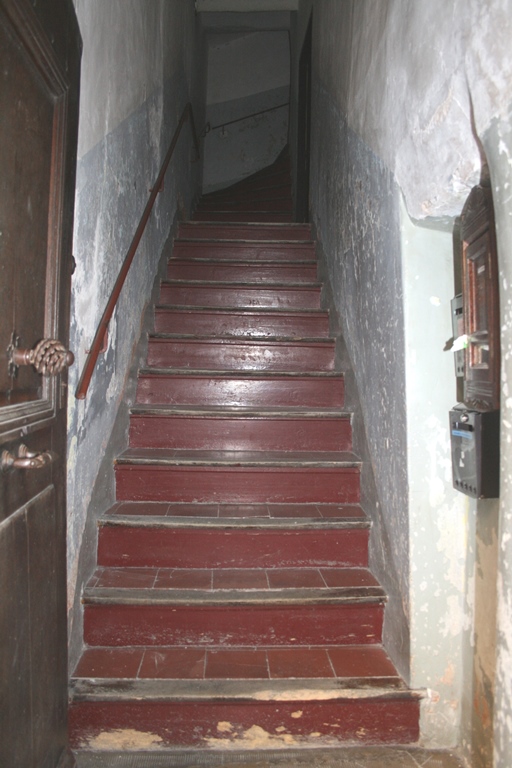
[[351, 757], [185, 663]]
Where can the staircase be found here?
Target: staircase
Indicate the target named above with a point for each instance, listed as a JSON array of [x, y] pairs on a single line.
[[232, 605]]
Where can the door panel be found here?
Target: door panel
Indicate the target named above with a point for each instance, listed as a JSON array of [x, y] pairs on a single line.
[[39, 77]]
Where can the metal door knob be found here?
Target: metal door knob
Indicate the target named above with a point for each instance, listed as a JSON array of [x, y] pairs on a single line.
[[49, 357], [26, 459]]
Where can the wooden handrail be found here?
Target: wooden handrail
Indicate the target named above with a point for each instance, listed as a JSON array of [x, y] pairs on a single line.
[[90, 363]]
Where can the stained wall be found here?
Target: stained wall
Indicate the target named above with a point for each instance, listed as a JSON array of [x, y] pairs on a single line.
[[406, 98], [141, 63]]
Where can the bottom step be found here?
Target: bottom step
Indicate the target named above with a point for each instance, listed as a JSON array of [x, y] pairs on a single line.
[[247, 698], [299, 719]]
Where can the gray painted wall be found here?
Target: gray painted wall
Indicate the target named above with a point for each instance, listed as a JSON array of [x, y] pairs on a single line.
[[248, 71], [405, 96], [140, 66]]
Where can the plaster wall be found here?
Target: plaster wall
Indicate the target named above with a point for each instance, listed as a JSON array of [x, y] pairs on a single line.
[[138, 72], [406, 96], [247, 72]]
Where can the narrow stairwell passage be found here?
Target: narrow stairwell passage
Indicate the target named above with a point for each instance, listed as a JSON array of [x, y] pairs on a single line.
[[232, 605]]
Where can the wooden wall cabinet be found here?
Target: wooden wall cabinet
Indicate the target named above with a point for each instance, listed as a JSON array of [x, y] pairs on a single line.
[[481, 302]]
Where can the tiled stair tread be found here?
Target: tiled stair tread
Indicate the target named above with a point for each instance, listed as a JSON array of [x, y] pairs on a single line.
[[259, 580], [159, 514], [231, 411], [240, 374], [239, 458], [345, 664]]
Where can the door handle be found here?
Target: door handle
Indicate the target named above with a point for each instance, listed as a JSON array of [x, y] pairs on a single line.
[[49, 357], [26, 459]]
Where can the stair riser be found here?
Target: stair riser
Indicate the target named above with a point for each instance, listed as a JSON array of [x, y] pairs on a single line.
[[241, 323], [144, 547], [237, 356], [257, 182], [240, 434], [240, 296], [232, 625], [274, 204], [263, 216], [245, 252], [240, 273], [199, 723], [266, 190], [209, 390], [237, 485], [239, 232]]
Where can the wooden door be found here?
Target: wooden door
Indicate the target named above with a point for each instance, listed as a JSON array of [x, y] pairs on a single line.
[[39, 77]]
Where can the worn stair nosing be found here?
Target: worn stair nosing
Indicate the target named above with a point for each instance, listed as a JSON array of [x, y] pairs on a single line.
[[296, 689], [373, 595], [259, 523], [242, 262], [240, 412], [239, 373], [157, 456], [307, 286], [222, 340], [196, 308]]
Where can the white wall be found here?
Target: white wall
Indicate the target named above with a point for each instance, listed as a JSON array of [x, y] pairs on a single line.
[[248, 71], [138, 71]]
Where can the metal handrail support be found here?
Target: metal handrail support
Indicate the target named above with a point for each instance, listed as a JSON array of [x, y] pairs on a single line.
[[94, 351]]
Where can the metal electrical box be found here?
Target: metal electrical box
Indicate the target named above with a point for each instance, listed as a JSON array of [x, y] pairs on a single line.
[[475, 452]]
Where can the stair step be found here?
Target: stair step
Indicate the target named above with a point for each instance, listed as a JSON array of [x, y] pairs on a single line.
[[204, 294], [241, 322], [242, 272], [251, 389], [225, 714], [169, 543], [237, 477], [269, 189], [236, 429], [231, 353], [262, 217], [260, 180], [178, 619], [248, 231], [247, 203], [255, 250]]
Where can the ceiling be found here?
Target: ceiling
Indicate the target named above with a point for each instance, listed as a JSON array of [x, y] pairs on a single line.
[[246, 5]]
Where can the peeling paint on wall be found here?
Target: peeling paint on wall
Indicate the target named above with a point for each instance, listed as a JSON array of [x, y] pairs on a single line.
[[134, 88], [417, 90]]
